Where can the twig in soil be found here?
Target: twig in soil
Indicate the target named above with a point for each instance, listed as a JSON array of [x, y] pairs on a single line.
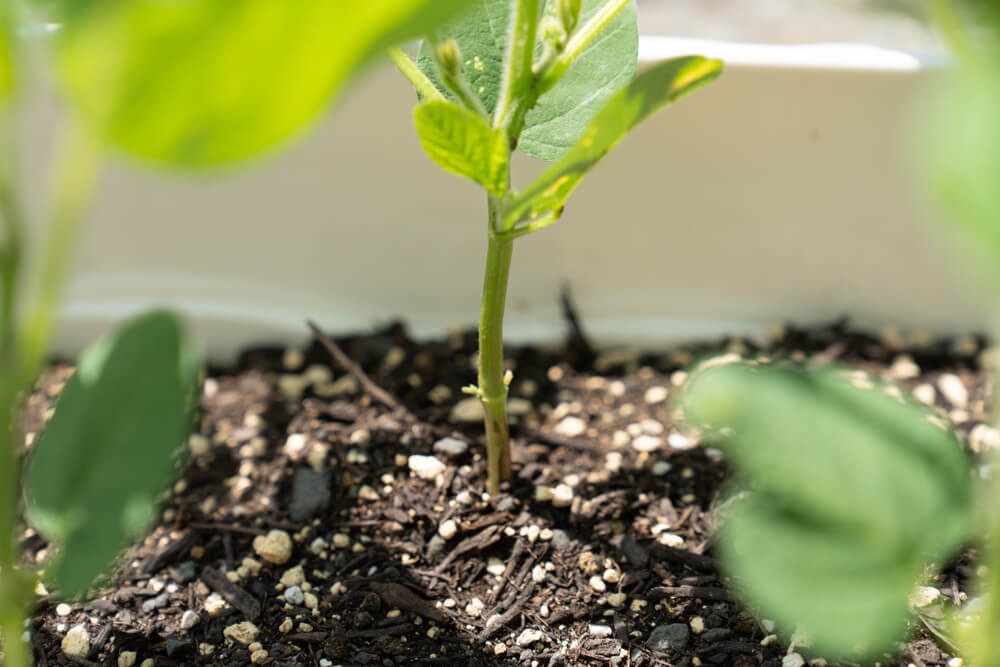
[[174, 549], [480, 540], [231, 593], [401, 597], [559, 441], [577, 343], [703, 592], [218, 527], [508, 615], [685, 557], [345, 362], [515, 555], [398, 629]]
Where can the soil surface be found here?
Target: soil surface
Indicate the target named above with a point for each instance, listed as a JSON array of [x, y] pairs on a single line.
[[322, 521]]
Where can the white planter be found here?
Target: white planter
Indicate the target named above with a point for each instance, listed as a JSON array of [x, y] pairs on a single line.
[[782, 191]]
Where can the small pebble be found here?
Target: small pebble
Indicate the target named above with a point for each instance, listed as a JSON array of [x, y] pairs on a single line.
[[294, 595], [697, 625], [496, 567], [367, 493], [154, 603], [475, 607], [562, 495], [448, 529], [215, 604], [426, 467], [63, 609], [792, 660], [598, 630], [680, 441], [904, 368], [198, 445], [660, 468], [647, 443], [451, 447], [571, 427], [76, 643], [189, 619], [529, 636], [127, 658], [617, 600], [467, 411], [243, 633], [655, 395], [275, 547], [953, 390], [543, 493], [597, 584], [924, 393]]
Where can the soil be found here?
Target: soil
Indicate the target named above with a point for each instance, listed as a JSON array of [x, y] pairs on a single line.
[[298, 532]]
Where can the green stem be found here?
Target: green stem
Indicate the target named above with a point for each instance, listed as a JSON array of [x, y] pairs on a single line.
[[492, 387], [517, 75], [425, 87], [577, 43], [74, 184]]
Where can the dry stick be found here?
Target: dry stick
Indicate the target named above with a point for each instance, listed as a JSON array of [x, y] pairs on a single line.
[[703, 592], [346, 364]]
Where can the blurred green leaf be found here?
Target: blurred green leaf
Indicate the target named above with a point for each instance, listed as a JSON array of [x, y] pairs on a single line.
[[962, 163], [94, 473], [561, 115], [208, 82], [463, 143], [854, 491], [6, 65], [649, 92]]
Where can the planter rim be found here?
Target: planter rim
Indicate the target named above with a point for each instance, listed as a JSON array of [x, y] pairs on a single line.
[[846, 56]]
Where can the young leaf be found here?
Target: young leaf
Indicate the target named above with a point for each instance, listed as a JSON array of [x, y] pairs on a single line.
[[648, 93], [207, 82], [108, 450], [855, 490], [463, 143], [562, 114]]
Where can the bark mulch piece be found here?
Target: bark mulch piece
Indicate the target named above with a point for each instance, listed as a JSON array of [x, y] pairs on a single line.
[[598, 553]]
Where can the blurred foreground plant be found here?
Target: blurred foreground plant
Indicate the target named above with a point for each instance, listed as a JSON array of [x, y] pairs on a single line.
[[183, 83], [857, 490], [556, 80]]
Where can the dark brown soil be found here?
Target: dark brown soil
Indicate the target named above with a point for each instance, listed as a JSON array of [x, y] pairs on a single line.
[[386, 568]]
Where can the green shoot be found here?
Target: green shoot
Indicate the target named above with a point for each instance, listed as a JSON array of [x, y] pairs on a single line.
[[555, 93]]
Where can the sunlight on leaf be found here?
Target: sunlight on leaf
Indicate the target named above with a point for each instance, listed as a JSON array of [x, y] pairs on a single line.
[[648, 93], [563, 113], [208, 82], [94, 473], [854, 491], [463, 143]]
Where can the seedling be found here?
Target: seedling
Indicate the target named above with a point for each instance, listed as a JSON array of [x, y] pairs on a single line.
[[195, 84], [556, 80]]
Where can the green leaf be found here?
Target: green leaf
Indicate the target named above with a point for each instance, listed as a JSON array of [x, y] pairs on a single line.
[[562, 114], [962, 160], [648, 93], [6, 65], [94, 473], [855, 490], [206, 82], [463, 143]]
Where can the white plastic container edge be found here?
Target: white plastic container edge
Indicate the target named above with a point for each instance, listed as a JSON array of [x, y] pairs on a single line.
[[780, 192]]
